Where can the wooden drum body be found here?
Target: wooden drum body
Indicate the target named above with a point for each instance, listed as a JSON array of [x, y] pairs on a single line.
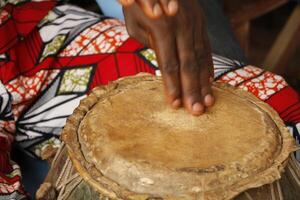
[[66, 184], [124, 142]]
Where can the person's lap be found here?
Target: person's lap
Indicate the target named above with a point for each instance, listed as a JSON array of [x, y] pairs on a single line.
[[33, 170]]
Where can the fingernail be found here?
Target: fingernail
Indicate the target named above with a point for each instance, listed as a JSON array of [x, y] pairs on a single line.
[[197, 108], [176, 103], [209, 100], [172, 7], [157, 11]]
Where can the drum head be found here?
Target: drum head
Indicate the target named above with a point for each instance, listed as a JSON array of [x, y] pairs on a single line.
[[129, 144]]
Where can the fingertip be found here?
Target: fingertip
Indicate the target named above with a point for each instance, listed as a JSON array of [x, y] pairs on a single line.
[[197, 109], [176, 103], [157, 11], [209, 100], [172, 7]]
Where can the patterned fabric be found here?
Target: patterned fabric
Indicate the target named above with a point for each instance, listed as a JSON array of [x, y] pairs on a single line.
[[52, 56]]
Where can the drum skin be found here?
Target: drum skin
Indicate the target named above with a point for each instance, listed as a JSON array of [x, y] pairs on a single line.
[[74, 176], [67, 184]]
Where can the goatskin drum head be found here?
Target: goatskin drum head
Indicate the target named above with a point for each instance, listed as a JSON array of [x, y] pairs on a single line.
[[129, 144]]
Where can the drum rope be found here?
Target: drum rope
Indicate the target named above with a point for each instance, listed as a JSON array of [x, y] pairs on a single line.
[[60, 177], [57, 154], [273, 197], [248, 196], [64, 175], [72, 186], [296, 178], [279, 190], [66, 182]]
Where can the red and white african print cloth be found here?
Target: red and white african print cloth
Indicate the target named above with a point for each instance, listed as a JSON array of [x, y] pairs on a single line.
[[52, 56]]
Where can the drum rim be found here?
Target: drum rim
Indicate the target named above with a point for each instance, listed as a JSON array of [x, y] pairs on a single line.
[[112, 190]]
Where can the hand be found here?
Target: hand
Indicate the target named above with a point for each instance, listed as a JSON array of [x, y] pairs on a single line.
[[183, 52], [154, 8]]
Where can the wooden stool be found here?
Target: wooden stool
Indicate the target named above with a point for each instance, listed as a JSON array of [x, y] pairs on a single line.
[[285, 45], [240, 14]]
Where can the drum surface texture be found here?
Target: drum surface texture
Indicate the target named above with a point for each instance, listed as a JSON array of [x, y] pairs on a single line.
[[127, 143]]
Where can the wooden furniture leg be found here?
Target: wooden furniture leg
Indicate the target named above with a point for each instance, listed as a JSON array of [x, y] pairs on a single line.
[[285, 45], [240, 14], [242, 33]]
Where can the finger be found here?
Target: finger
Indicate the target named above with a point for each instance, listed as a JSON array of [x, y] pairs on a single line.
[[170, 7], [165, 48], [206, 90], [204, 59], [207, 56], [151, 8], [205, 80], [126, 2], [206, 75], [190, 73]]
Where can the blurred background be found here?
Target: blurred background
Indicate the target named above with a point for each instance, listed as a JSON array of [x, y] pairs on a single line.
[[269, 33], [267, 30]]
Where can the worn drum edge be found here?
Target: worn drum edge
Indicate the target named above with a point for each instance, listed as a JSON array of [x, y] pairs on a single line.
[[114, 191]]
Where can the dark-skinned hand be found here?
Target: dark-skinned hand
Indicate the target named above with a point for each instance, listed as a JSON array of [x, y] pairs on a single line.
[[154, 8], [183, 51]]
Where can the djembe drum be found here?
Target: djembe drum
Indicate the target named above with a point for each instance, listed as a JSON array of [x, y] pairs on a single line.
[[124, 142]]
